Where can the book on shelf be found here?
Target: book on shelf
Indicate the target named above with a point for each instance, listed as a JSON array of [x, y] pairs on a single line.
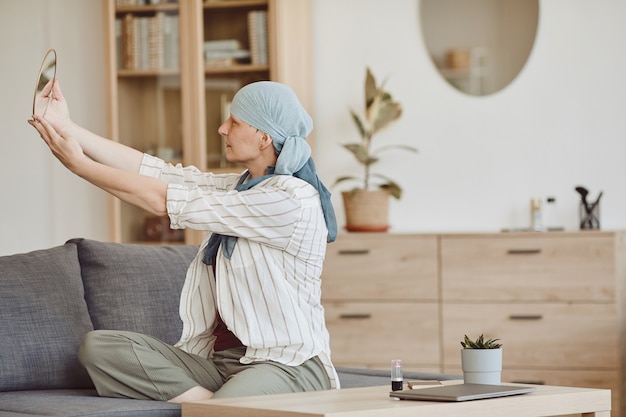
[[170, 41], [119, 58], [155, 41], [219, 62], [126, 42], [147, 42], [224, 52], [221, 45], [257, 34], [140, 42]]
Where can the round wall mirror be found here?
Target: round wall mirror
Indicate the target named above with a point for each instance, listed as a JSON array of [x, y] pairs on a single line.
[[479, 46], [47, 73]]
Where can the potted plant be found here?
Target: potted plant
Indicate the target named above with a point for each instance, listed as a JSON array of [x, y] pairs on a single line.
[[367, 204], [481, 360]]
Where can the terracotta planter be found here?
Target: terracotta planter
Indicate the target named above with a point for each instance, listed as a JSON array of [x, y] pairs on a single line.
[[366, 211], [481, 366]]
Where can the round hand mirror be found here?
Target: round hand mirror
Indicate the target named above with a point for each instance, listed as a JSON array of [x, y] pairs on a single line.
[[45, 79]]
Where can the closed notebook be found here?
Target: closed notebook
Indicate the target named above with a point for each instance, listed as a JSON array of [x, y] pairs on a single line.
[[461, 392]]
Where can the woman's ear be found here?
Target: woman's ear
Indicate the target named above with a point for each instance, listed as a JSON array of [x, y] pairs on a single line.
[[266, 141]]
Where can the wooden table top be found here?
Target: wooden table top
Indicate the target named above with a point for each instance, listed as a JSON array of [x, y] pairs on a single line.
[[375, 402]]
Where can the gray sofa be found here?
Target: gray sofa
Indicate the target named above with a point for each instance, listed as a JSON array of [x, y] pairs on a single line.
[[50, 298]]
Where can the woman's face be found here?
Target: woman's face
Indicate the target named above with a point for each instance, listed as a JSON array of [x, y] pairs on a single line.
[[242, 140]]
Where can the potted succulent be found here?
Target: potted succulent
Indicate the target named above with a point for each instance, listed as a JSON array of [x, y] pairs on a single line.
[[366, 205], [481, 360]]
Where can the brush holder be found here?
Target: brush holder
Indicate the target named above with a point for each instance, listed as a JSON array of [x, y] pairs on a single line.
[[589, 216]]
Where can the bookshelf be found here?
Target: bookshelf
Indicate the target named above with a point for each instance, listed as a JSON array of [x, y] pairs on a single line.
[[172, 69]]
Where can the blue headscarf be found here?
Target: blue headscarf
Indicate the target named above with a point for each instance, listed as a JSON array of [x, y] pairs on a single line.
[[273, 108]]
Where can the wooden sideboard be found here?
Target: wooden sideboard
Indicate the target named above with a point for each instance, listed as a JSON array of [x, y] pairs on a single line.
[[556, 300]]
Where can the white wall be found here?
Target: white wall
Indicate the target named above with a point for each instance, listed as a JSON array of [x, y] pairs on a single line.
[[561, 123], [42, 204]]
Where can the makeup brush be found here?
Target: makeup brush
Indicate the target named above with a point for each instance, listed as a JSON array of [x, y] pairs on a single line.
[[583, 195]]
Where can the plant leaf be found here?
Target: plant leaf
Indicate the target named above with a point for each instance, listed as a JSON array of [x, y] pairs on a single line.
[[359, 124], [371, 91], [347, 178], [390, 185], [401, 147], [480, 343], [387, 113], [359, 151], [394, 189]]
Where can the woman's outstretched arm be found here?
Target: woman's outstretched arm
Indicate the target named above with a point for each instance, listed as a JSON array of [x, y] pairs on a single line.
[[128, 185]]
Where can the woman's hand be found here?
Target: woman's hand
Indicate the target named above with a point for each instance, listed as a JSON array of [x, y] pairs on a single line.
[[64, 147], [51, 105]]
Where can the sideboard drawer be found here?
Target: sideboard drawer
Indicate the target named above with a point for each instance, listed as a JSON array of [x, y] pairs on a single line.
[[578, 378], [372, 334], [528, 267], [548, 335], [381, 267], [584, 379]]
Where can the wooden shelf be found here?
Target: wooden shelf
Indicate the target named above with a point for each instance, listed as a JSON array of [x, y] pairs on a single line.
[[147, 73], [235, 69], [167, 7], [172, 104], [230, 4]]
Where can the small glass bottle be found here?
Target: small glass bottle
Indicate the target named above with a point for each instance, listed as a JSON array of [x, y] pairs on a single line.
[[536, 222], [396, 375], [550, 219]]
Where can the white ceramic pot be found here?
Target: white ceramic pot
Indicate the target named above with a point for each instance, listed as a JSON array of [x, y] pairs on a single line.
[[482, 366]]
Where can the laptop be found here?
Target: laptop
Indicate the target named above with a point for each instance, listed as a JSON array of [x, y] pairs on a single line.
[[461, 392]]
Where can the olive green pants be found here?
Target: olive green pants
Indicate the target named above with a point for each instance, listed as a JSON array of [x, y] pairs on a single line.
[[132, 365]]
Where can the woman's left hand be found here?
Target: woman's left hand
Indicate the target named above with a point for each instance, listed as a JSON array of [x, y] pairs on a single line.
[[51, 104], [64, 147]]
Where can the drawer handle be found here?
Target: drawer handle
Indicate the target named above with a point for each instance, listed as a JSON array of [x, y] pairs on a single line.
[[359, 316], [354, 252], [524, 251], [525, 317], [538, 382]]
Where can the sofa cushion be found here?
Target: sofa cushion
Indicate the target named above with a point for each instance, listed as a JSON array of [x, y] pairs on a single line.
[[135, 287], [43, 317]]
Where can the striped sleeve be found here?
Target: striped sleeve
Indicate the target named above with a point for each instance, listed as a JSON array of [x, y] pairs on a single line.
[[267, 213], [188, 176]]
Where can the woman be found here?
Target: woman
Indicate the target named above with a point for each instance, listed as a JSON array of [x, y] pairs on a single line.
[[252, 318]]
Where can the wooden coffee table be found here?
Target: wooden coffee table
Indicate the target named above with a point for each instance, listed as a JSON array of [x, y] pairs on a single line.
[[375, 402]]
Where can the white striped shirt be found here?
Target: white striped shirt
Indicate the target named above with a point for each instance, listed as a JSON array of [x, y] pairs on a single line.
[[269, 293]]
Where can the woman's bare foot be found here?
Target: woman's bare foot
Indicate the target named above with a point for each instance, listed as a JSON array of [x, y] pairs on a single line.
[[194, 394]]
